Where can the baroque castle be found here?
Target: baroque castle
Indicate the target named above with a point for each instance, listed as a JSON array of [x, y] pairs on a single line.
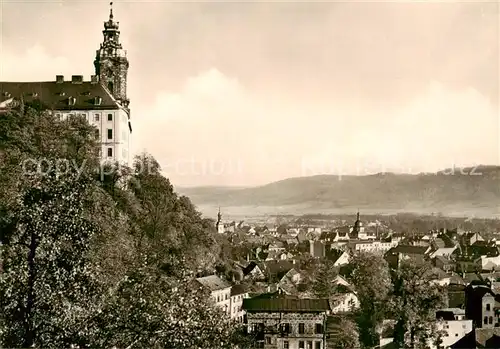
[[102, 101]]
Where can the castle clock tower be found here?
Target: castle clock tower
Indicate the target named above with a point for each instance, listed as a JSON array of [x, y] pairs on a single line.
[[111, 63]]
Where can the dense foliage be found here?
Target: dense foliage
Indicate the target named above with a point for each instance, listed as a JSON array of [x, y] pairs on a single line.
[[97, 256]]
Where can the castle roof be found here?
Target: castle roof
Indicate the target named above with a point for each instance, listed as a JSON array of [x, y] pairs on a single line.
[[56, 95]]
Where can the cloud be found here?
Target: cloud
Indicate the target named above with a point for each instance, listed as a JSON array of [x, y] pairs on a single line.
[[215, 122], [33, 64], [439, 128]]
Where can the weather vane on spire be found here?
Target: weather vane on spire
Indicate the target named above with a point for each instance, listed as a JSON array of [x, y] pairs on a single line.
[[111, 10]]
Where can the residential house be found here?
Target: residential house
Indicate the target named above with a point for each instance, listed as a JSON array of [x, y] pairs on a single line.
[[443, 252], [290, 323], [404, 252], [275, 270], [338, 257], [220, 291], [238, 293], [345, 299], [480, 305], [253, 272], [453, 325], [288, 284], [471, 239], [443, 263]]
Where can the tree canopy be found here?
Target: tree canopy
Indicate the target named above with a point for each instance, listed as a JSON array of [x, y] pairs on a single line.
[[97, 256]]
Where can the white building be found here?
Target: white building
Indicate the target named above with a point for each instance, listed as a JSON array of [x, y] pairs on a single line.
[[373, 246], [238, 293], [220, 291], [453, 324], [102, 101]]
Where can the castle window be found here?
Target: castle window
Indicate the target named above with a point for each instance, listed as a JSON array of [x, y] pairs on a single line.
[[96, 117], [487, 307], [286, 345], [491, 320], [318, 345], [110, 117], [485, 320], [110, 133], [110, 152], [301, 345]]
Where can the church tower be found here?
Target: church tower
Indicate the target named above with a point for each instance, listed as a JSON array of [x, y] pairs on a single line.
[[111, 63], [219, 225]]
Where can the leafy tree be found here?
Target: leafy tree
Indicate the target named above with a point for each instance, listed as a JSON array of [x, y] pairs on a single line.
[[47, 284], [371, 279], [169, 225], [151, 310], [416, 299], [342, 333], [73, 241], [323, 286]]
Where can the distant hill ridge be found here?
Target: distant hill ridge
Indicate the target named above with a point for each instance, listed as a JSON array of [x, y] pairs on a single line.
[[454, 189]]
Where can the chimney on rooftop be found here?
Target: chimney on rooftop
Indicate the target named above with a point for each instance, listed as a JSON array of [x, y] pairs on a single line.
[[59, 79], [94, 79], [76, 79]]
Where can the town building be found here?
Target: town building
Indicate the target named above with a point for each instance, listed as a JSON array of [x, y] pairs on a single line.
[[238, 293], [481, 306], [102, 100], [287, 323], [452, 326], [220, 291]]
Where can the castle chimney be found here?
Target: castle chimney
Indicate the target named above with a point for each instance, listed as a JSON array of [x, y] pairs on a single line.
[[59, 79], [76, 79], [94, 79]]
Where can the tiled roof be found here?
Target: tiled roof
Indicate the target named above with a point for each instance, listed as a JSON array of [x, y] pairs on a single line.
[[238, 289], [213, 282], [285, 305], [56, 95]]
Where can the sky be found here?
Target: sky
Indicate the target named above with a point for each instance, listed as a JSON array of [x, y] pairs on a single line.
[[247, 93]]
